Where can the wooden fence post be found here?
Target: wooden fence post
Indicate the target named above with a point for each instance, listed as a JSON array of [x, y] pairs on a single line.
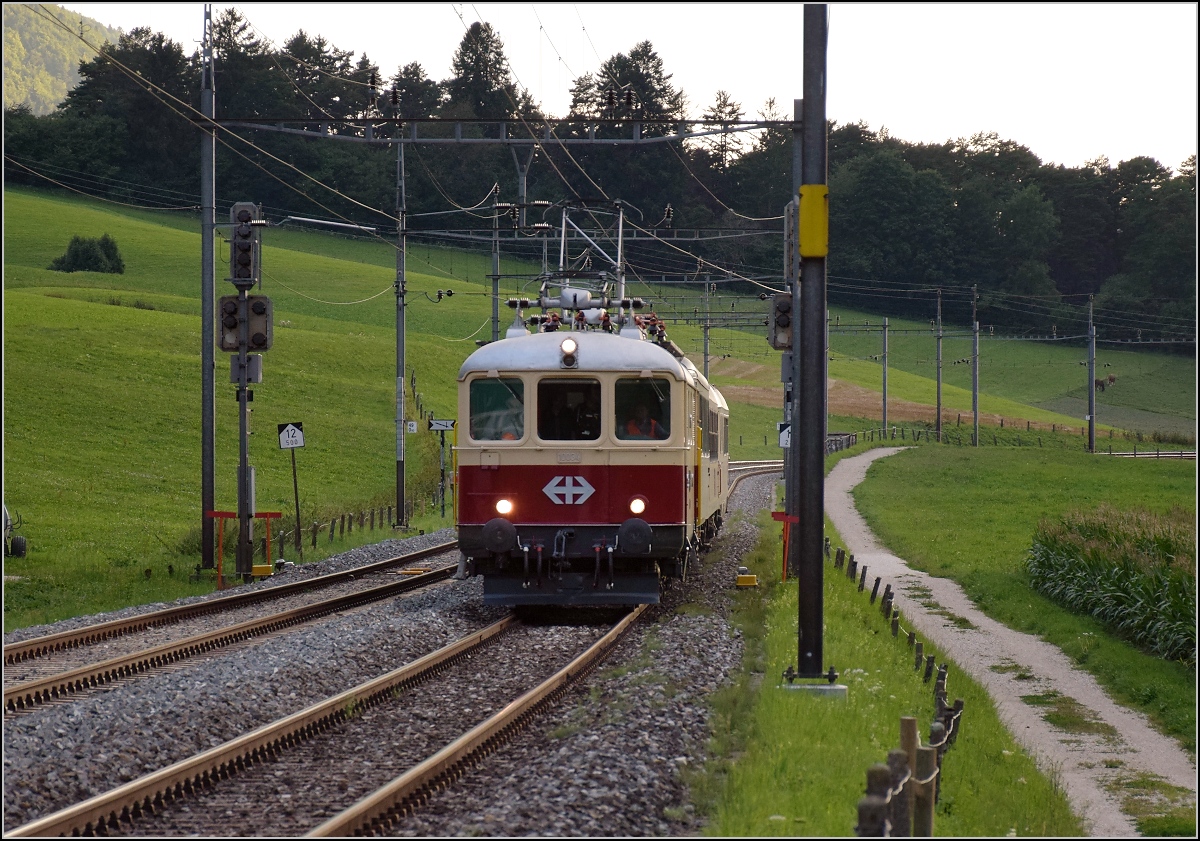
[[332, 526], [910, 740], [872, 818], [938, 741], [873, 809], [923, 794], [901, 801]]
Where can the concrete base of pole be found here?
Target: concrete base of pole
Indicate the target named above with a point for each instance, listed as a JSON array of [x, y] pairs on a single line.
[[825, 690]]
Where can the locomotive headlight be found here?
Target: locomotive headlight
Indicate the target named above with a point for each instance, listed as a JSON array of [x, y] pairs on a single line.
[[568, 348], [637, 505], [504, 507]]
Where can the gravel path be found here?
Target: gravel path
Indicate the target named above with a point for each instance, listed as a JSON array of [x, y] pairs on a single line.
[[1079, 759]]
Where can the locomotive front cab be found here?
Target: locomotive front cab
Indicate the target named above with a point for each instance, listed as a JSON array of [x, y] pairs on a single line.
[[573, 485]]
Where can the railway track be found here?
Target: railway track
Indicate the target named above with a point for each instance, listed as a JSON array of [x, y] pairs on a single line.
[[364, 738], [60, 667], [38, 674], [638, 722], [739, 470], [18, 652]]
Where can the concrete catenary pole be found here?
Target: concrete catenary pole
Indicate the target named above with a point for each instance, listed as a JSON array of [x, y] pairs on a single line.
[[401, 290], [1091, 418], [975, 383], [208, 402], [885, 367], [938, 421]]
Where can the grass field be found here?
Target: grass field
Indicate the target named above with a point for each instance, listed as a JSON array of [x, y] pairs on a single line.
[[102, 454], [791, 763], [970, 515]]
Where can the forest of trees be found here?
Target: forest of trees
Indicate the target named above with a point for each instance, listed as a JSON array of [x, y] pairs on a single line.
[[41, 58], [983, 212]]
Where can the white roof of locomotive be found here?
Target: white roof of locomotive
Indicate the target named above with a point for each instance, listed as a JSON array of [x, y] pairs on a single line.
[[598, 351]]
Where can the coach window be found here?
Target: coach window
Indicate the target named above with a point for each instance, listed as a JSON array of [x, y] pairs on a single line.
[[568, 410], [497, 410], [643, 409]]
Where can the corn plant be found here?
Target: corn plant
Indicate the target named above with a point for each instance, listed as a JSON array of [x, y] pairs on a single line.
[[1134, 571]]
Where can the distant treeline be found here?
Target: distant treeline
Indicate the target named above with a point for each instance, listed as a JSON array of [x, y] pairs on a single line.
[[42, 55], [974, 215]]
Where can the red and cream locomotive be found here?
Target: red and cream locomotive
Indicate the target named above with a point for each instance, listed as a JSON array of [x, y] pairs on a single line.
[[592, 458]]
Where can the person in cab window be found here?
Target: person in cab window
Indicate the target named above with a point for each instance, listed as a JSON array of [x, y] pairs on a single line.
[[641, 425], [588, 420], [506, 424]]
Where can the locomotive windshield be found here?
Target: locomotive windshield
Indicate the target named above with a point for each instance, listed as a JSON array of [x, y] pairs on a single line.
[[497, 410], [569, 410], [643, 409]]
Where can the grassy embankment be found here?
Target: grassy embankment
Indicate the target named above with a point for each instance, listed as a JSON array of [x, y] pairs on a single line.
[[968, 515], [104, 461], [102, 394], [790, 763]]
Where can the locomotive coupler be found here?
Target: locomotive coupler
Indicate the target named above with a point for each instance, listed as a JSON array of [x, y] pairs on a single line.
[[596, 575], [560, 542]]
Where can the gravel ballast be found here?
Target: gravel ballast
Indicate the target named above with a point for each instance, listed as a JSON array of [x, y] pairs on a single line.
[[606, 759]]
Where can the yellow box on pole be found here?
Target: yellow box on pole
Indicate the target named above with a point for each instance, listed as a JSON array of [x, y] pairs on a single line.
[[813, 220]]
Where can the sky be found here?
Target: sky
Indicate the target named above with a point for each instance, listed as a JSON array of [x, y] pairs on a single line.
[[1071, 81]]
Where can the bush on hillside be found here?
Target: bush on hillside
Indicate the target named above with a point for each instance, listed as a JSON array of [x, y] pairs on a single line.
[[1135, 571], [91, 255]]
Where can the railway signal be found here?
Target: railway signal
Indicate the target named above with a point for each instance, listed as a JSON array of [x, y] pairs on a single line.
[[244, 243], [256, 312], [779, 322]]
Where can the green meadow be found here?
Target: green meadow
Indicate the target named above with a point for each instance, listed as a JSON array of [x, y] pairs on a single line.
[[102, 459]]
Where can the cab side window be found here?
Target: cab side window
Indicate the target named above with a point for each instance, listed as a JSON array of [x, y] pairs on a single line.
[[497, 410], [643, 409], [569, 410]]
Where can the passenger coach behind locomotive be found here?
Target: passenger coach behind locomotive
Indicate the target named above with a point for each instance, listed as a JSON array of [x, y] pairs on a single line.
[[592, 463]]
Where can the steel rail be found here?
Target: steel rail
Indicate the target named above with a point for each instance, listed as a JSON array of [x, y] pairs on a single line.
[[435, 773], [126, 803], [24, 696], [41, 646]]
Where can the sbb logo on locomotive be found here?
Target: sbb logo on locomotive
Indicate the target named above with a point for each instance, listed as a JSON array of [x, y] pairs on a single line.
[[568, 490]]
